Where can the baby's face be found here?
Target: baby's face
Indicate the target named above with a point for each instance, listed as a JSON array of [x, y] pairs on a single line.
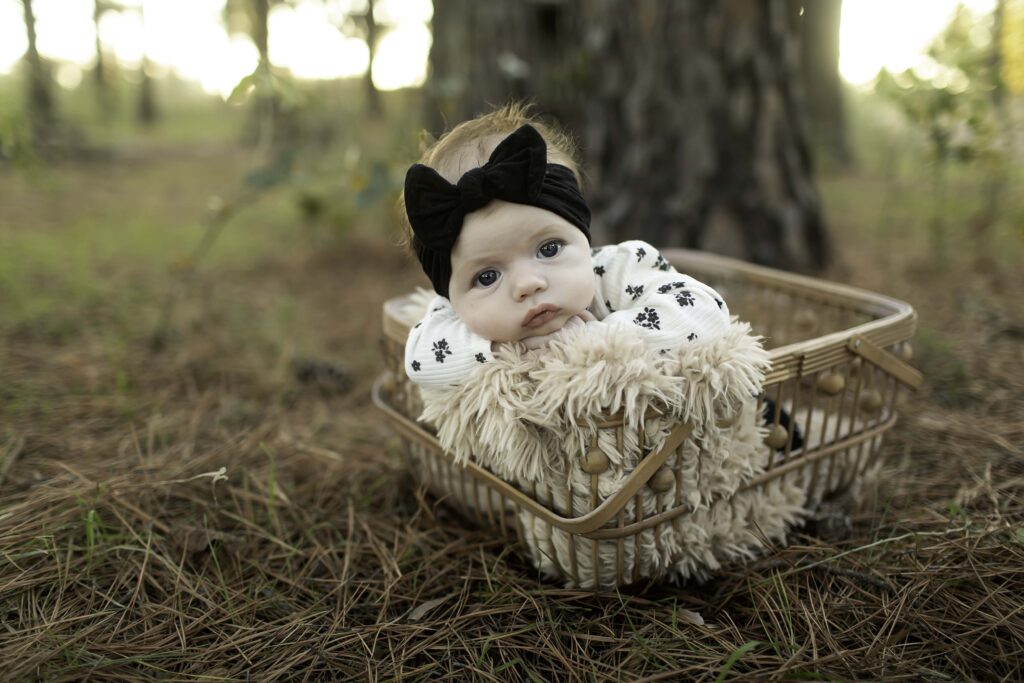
[[519, 271]]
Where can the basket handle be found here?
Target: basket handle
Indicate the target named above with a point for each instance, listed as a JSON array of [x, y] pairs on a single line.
[[584, 524], [889, 363]]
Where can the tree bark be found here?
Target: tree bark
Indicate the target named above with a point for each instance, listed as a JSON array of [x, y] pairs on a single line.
[[487, 53], [698, 135], [688, 113]]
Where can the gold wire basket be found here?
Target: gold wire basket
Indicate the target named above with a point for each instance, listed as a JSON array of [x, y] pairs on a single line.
[[838, 365]]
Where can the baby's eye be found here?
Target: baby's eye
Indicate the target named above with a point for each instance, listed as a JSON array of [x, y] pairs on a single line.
[[550, 249], [486, 278]]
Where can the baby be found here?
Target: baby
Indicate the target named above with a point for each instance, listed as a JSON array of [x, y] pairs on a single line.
[[502, 231]]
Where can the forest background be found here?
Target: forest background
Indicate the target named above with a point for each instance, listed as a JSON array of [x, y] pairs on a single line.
[[193, 483]]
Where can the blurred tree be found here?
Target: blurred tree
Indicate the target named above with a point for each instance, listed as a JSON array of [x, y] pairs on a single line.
[[996, 53], [691, 129], [998, 176], [266, 101], [368, 27], [104, 96], [817, 24], [42, 111], [362, 23], [374, 105], [146, 112], [272, 94], [260, 31]]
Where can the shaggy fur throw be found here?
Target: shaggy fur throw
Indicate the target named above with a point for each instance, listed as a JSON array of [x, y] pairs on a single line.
[[530, 417]]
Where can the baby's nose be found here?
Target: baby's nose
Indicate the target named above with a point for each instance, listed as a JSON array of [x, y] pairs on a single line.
[[528, 284]]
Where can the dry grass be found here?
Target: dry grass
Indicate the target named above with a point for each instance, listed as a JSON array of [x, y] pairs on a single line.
[[197, 513]]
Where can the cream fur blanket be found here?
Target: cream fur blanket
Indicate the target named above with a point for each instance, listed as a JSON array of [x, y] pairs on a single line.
[[531, 416]]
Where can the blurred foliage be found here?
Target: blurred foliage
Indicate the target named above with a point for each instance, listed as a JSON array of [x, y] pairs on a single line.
[[957, 98], [359, 22], [1012, 46], [320, 153], [15, 136], [952, 96], [893, 193], [263, 82]]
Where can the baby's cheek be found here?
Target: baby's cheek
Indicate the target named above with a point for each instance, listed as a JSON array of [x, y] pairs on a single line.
[[587, 289], [484, 322]]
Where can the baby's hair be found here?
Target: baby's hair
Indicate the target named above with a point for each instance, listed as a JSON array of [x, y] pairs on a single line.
[[469, 145]]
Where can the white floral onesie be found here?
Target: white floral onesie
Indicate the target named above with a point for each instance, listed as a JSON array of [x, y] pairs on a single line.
[[634, 286]]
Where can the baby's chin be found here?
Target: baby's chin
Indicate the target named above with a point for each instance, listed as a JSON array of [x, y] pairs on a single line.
[[552, 326], [518, 332]]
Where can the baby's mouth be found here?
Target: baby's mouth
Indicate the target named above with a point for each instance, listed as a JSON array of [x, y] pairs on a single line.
[[539, 315]]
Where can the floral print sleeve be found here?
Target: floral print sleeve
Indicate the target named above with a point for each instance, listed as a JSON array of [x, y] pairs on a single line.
[[440, 350], [638, 287]]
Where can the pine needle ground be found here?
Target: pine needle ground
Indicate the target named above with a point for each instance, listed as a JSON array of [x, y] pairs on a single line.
[[204, 513]]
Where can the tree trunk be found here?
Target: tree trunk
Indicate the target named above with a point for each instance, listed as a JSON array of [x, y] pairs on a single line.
[[103, 95], [996, 169], [260, 34], [996, 56], [688, 113], [267, 109], [40, 104], [147, 111], [374, 107], [698, 134], [818, 30], [485, 54]]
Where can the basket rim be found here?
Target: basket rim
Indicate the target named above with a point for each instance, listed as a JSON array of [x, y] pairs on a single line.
[[896, 319]]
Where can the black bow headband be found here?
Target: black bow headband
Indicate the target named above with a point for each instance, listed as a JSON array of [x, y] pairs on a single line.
[[517, 171]]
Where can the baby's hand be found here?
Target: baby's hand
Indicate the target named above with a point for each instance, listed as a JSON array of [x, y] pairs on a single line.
[[541, 342]]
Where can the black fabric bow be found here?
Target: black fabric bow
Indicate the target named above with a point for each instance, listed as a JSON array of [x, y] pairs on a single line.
[[517, 171]]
